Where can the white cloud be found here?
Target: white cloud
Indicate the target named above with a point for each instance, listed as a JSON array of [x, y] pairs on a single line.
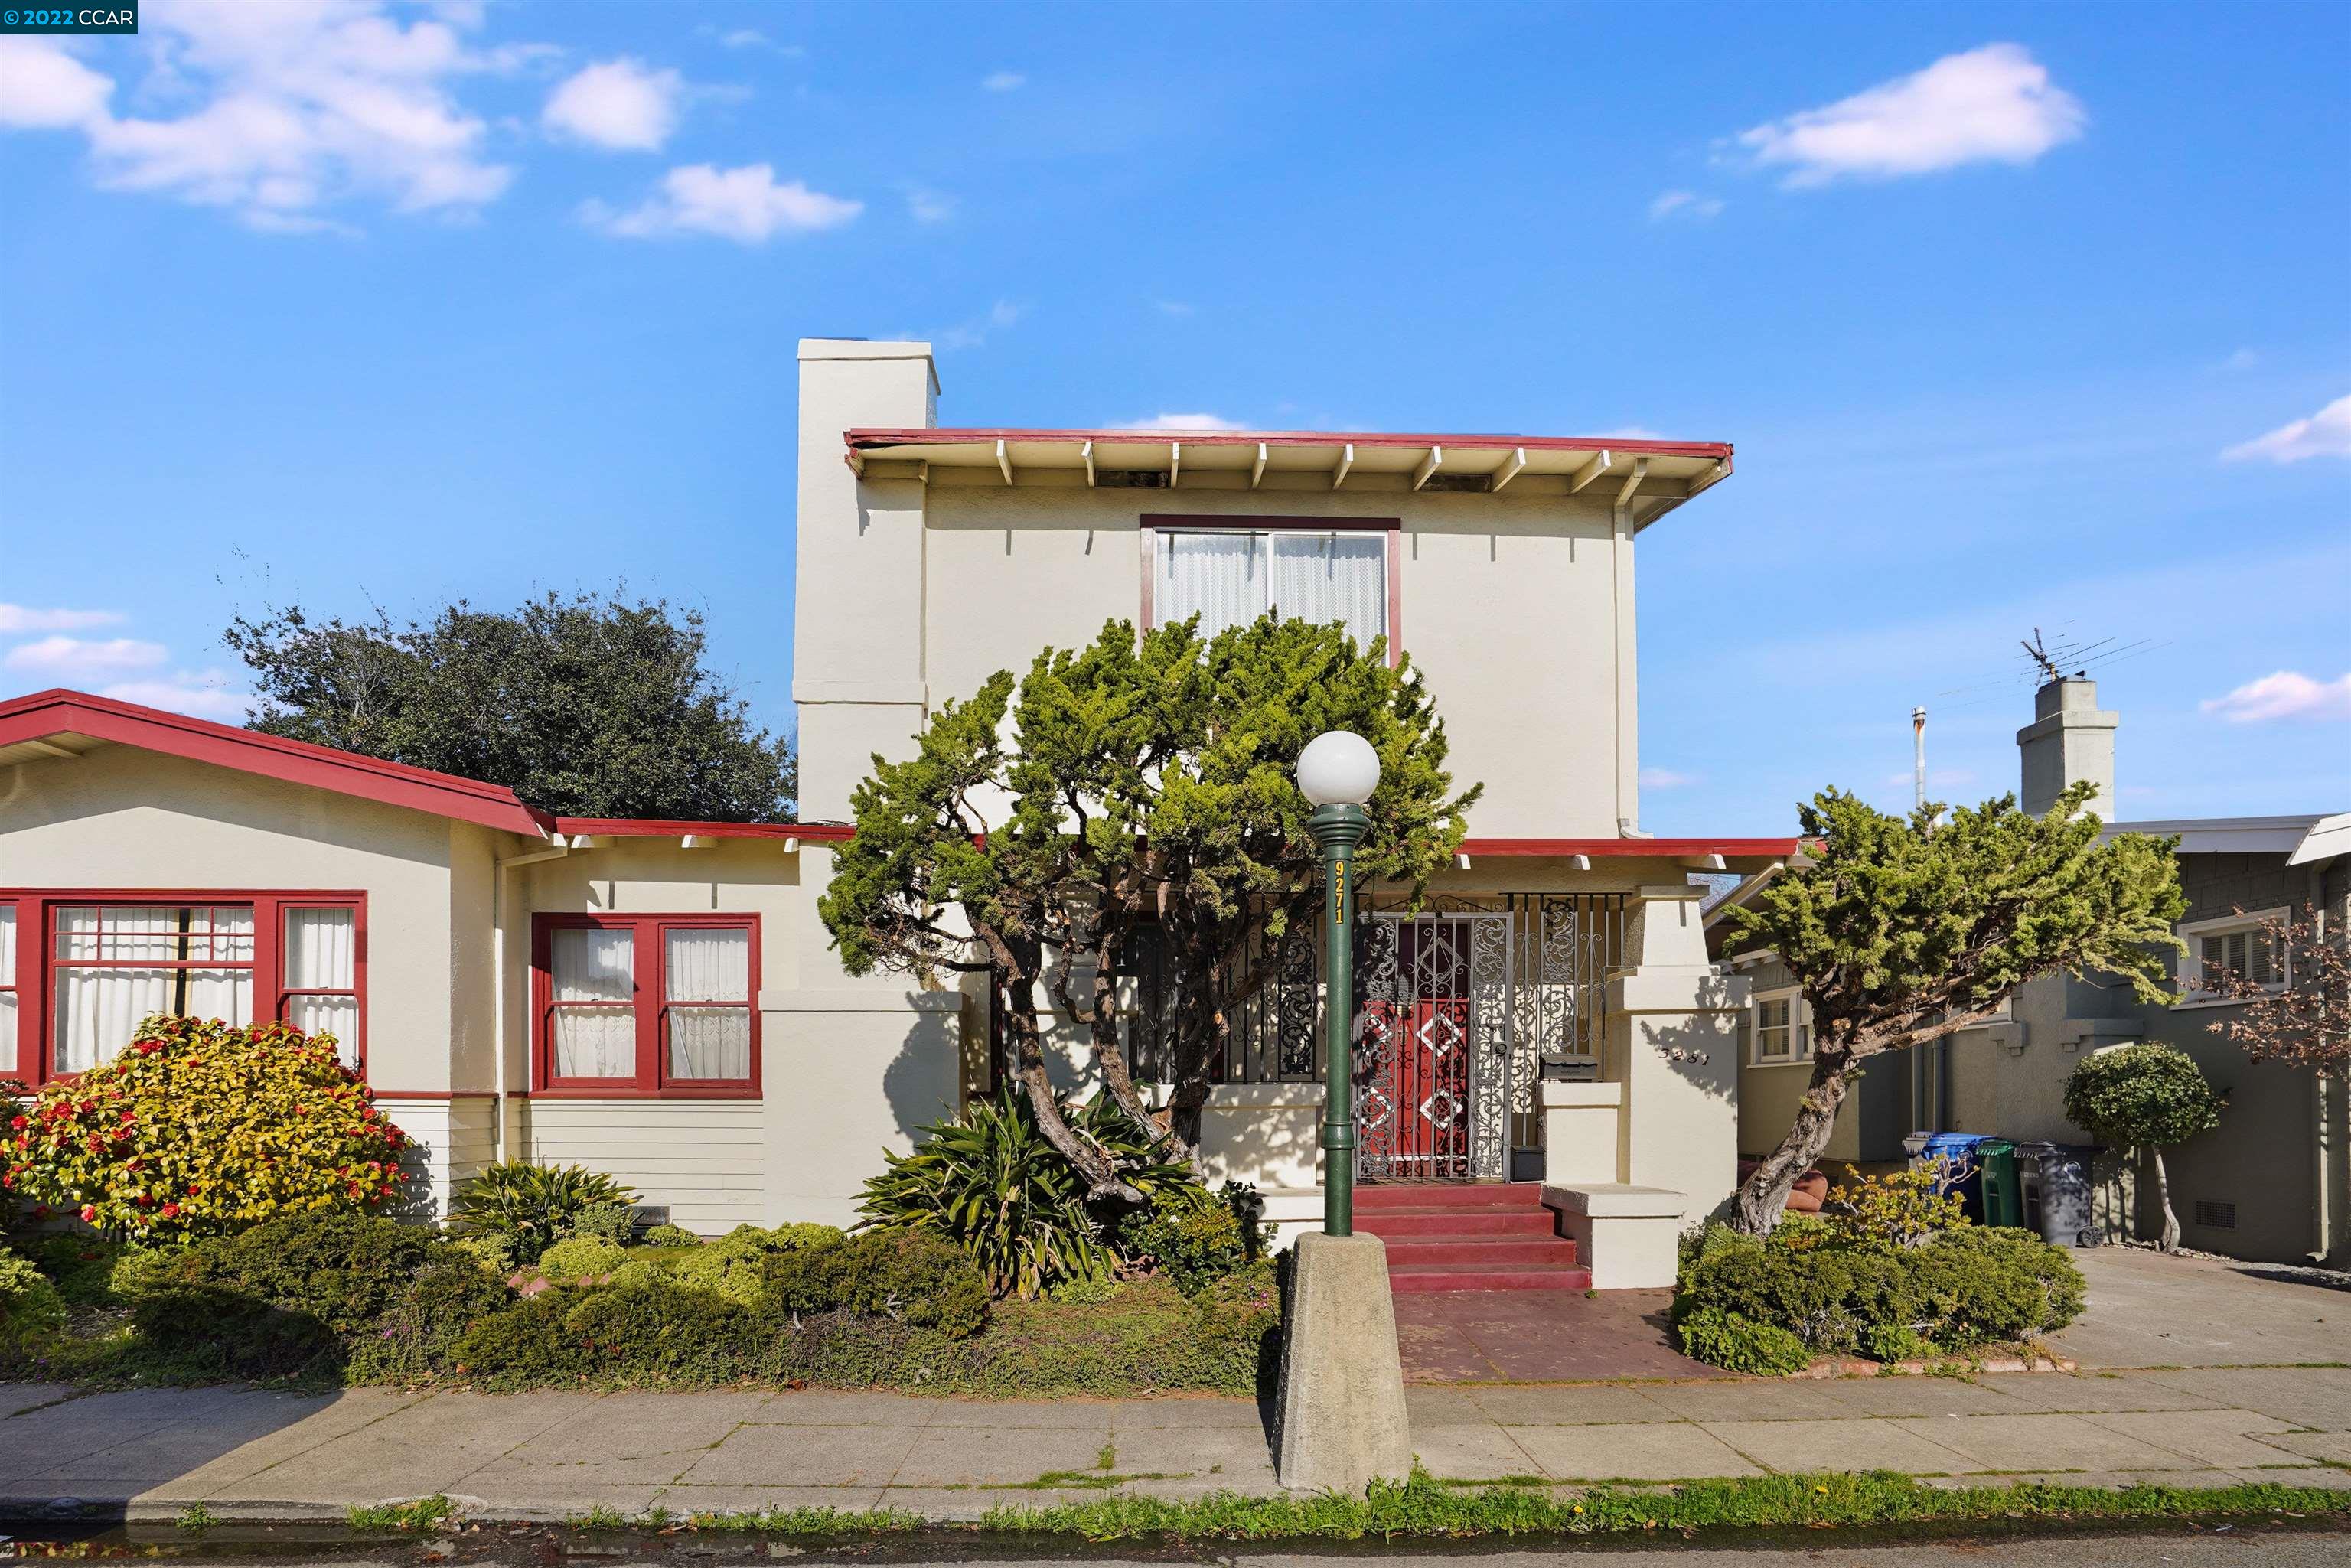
[[2243, 360], [1687, 205], [928, 207], [22, 618], [743, 204], [621, 104], [1004, 82], [1667, 779], [2287, 695], [1171, 307], [2326, 433], [276, 112], [82, 658], [206, 694], [1177, 422], [1995, 105], [1627, 433], [48, 89]]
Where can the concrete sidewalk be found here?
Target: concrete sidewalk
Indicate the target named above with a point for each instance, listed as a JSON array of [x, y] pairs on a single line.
[[247, 1454]]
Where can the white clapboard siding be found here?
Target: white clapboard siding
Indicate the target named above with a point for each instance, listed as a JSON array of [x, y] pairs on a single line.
[[705, 1159], [449, 1140]]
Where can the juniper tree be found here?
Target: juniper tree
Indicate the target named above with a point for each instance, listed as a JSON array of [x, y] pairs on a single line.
[[1902, 931], [1041, 823]]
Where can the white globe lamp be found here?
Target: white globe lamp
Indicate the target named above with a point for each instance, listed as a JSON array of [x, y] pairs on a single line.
[[1338, 769]]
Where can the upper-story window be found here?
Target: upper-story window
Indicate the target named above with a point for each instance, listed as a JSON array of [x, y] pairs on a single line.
[[1229, 577], [2237, 946]]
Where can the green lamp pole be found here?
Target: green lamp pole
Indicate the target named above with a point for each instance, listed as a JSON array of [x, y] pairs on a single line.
[[1338, 772]]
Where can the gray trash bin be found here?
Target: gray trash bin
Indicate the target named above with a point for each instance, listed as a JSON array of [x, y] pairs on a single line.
[[2057, 1193]]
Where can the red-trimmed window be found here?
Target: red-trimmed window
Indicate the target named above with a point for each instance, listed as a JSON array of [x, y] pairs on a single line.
[[646, 1004], [80, 970]]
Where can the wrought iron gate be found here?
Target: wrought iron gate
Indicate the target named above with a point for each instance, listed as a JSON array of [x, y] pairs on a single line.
[[1432, 1062]]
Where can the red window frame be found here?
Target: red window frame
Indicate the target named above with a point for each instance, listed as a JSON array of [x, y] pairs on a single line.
[[1153, 524], [36, 963], [9, 983], [650, 1001]]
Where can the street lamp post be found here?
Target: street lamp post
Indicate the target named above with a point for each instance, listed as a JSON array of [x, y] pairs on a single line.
[[1338, 771]]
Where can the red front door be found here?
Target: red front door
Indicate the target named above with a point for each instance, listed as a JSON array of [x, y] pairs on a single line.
[[1418, 1083]]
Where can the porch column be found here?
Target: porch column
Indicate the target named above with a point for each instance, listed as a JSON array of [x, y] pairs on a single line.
[[1672, 1043]]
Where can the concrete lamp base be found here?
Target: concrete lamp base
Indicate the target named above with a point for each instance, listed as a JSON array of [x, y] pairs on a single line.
[[1342, 1416]]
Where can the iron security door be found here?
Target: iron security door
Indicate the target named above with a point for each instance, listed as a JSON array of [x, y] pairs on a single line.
[[1431, 1048]]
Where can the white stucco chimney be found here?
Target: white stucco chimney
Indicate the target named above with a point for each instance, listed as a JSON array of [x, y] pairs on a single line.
[[2070, 739], [857, 629]]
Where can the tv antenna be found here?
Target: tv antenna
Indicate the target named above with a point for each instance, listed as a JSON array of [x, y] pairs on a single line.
[[2036, 649]]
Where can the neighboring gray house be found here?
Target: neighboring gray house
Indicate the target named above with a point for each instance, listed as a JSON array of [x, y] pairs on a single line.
[[2273, 1182]]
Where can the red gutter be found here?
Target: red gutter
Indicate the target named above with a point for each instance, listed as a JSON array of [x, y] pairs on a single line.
[[872, 437]]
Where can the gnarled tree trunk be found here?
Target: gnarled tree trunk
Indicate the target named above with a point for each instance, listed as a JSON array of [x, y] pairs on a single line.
[[1763, 1197], [2169, 1238]]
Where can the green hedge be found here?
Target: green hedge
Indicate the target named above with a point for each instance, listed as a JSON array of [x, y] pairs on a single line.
[[1967, 1286]]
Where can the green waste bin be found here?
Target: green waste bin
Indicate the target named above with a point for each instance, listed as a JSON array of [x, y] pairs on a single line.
[[2003, 1193]]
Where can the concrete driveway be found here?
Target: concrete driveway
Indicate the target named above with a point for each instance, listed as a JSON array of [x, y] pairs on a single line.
[[2149, 1310]]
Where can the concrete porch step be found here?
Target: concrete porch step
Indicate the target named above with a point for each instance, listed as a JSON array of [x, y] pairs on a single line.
[[1416, 1278], [1487, 1253], [1456, 1222]]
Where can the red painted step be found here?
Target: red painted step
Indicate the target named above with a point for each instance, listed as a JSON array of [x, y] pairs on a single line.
[[1426, 1277], [1503, 1253], [1449, 1195], [1454, 1222], [1489, 1236]]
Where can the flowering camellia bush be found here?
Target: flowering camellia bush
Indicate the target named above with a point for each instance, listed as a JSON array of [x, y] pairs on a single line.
[[202, 1127]]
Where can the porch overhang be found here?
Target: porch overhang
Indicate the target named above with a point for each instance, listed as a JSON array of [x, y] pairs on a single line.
[[1647, 477]]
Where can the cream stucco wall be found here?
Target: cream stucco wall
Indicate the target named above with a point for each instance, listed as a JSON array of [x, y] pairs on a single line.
[[1508, 604]]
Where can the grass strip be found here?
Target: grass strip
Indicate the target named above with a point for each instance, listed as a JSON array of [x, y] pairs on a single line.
[[1424, 1507]]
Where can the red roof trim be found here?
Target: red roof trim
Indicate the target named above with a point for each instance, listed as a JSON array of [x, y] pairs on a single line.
[[62, 711], [656, 828], [870, 438], [1767, 848]]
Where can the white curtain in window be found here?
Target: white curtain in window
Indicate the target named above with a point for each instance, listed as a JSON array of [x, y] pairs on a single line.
[[1220, 578], [705, 964], [596, 967], [1324, 578], [7, 997], [99, 1010], [322, 955]]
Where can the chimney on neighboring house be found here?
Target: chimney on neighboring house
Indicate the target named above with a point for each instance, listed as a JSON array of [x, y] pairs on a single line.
[[2070, 739]]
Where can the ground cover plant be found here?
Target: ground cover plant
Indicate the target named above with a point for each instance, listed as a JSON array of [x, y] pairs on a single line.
[[317, 1300], [1890, 1268]]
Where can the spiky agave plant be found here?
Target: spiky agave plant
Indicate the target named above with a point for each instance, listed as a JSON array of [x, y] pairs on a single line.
[[993, 1183]]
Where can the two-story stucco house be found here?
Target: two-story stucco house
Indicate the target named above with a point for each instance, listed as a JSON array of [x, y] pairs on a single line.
[[659, 1001]]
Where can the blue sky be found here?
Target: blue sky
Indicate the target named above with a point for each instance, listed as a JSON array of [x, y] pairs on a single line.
[[2017, 316]]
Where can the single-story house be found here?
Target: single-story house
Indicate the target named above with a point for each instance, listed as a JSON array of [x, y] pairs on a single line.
[[658, 999]]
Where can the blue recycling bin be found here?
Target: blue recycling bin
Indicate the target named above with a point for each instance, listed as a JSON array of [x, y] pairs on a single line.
[[1959, 1151]]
